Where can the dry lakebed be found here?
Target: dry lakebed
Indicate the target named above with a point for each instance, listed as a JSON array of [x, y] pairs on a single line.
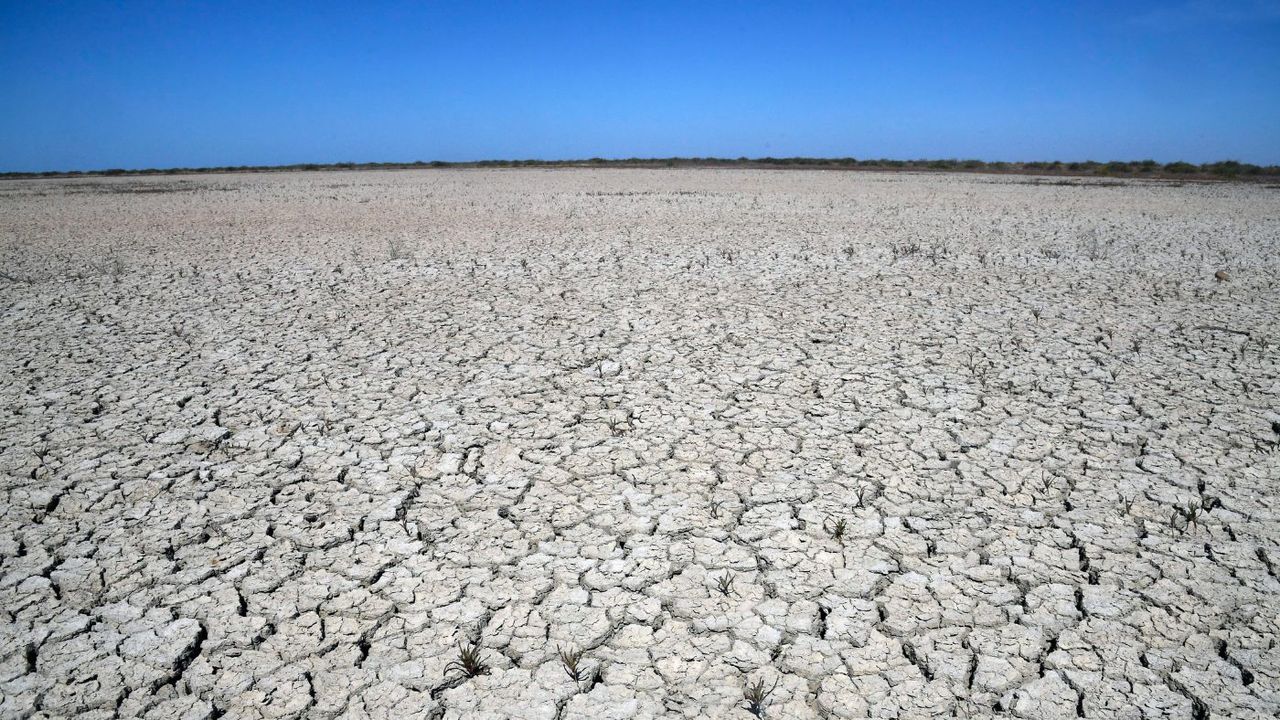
[[610, 444]]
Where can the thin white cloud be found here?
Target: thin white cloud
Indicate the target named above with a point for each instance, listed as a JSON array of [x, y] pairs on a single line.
[[1195, 13]]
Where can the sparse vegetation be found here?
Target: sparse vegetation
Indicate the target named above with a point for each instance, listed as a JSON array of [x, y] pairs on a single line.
[[724, 583], [757, 697], [1093, 246], [396, 249], [1187, 517], [836, 529], [470, 662], [114, 267], [571, 660], [904, 249]]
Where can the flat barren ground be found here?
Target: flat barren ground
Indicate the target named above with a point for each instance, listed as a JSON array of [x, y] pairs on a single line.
[[889, 445]]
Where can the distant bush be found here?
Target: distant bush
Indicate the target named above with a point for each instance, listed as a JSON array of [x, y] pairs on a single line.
[[1231, 168]]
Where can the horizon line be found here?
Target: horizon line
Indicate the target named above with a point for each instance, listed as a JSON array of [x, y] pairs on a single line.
[[1223, 169]]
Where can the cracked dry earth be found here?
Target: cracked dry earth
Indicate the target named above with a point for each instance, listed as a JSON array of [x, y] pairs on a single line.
[[892, 445]]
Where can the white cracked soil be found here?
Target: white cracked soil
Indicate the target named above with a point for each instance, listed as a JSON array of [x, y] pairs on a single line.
[[889, 445]]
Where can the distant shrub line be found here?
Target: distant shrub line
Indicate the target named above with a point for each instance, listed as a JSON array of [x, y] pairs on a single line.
[[1225, 169]]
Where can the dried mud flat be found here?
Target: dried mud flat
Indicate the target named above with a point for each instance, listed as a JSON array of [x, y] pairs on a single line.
[[879, 445]]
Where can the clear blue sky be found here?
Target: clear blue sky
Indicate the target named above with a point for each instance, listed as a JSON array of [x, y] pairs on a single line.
[[153, 84]]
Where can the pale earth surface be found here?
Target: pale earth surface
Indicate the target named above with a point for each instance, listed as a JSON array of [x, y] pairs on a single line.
[[254, 466]]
